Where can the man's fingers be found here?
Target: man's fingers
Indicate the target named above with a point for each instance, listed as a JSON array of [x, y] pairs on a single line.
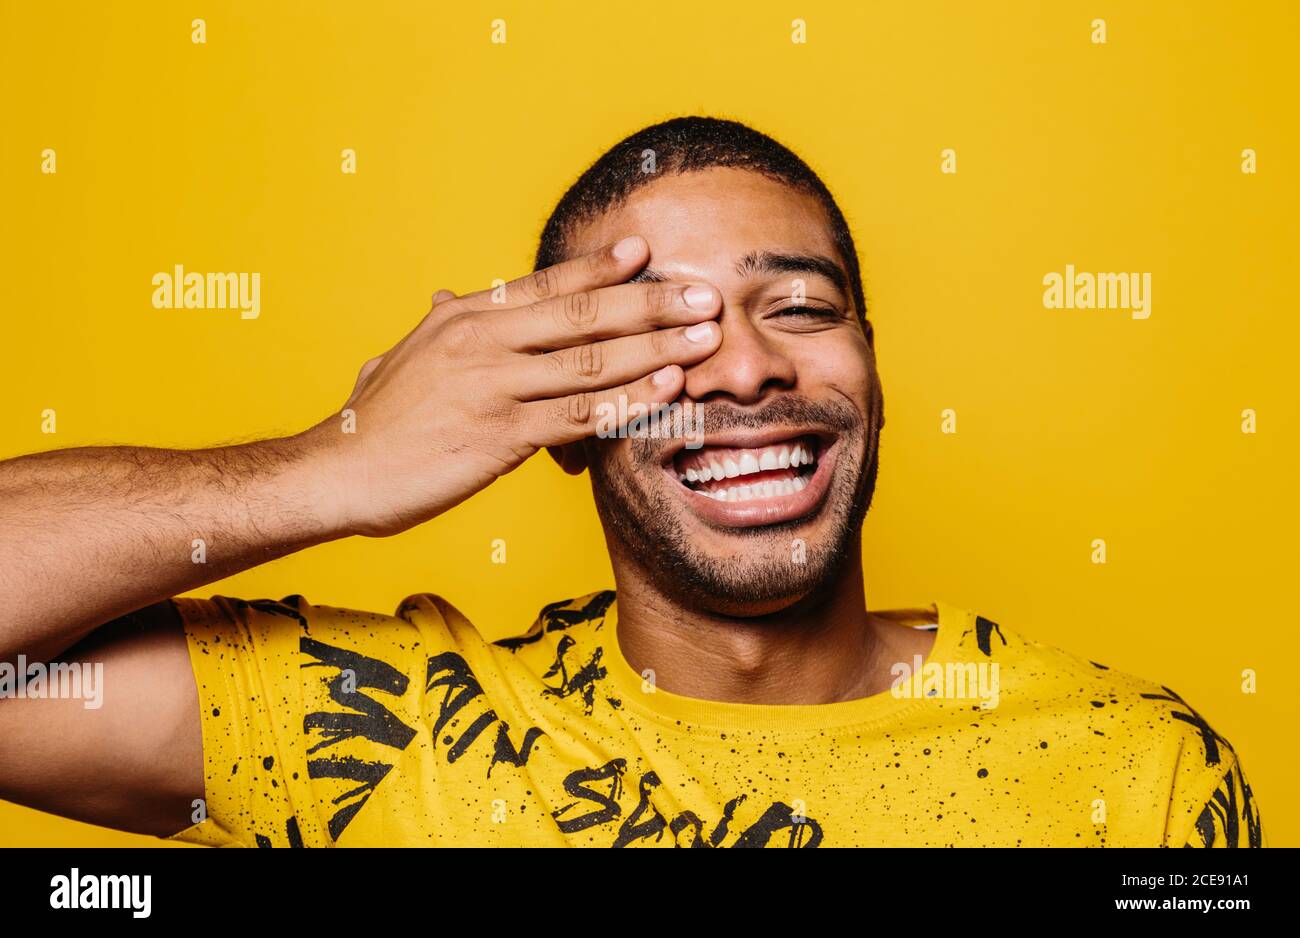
[[438, 308], [362, 375], [575, 417], [605, 266], [611, 362], [604, 313], [439, 297]]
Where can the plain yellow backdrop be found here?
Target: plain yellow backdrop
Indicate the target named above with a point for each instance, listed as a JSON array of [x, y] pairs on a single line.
[[1071, 425]]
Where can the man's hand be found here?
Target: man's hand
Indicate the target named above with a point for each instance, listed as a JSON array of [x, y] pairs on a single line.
[[479, 386], [90, 535]]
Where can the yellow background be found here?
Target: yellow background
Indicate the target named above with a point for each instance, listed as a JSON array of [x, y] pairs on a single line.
[[1072, 425]]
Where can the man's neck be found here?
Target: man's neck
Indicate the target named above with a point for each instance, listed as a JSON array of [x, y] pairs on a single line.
[[822, 649]]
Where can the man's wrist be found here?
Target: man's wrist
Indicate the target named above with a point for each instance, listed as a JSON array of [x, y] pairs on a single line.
[[313, 484]]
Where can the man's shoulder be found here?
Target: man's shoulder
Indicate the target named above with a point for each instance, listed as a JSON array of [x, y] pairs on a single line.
[[426, 623], [567, 617], [1030, 663], [1113, 704], [1148, 748]]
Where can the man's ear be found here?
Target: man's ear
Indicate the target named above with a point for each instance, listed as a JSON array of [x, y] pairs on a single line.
[[571, 457]]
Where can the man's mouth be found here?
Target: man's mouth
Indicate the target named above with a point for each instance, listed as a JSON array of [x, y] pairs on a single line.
[[729, 474], [743, 483]]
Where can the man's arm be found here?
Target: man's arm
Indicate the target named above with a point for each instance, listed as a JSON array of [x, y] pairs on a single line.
[[89, 535], [86, 537], [136, 761]]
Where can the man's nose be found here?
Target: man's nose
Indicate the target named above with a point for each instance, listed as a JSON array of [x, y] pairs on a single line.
[[746, 366]]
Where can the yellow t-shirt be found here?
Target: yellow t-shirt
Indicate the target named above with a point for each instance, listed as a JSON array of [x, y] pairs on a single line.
[[330, 727]]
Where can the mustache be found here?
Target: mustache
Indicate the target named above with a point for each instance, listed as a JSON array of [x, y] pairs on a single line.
[[834, 415]]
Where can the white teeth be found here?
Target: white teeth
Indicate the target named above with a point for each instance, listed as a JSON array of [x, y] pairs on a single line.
[[748, 463], [745, 493]]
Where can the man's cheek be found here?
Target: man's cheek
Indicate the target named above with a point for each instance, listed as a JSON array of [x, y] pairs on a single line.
[[855, 382], [845, 364], [610, 456]]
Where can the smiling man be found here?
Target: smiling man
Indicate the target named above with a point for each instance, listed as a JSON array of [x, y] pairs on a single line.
[[735, 693]]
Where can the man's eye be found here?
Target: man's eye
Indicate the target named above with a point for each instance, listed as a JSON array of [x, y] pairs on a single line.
[[808, 312]]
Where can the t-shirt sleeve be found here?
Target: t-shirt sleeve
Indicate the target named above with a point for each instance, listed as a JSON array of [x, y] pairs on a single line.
[[305, 710], [1227, 815]]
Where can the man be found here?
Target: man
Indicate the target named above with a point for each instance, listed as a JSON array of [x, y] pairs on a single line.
[[736, 693]]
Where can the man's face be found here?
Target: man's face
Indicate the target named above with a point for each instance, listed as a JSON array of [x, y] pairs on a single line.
[[770, 507]]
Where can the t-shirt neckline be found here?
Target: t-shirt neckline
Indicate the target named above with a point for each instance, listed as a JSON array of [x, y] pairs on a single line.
[[676, 710]]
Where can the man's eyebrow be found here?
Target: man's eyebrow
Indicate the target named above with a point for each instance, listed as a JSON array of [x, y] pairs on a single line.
[[771, 262]]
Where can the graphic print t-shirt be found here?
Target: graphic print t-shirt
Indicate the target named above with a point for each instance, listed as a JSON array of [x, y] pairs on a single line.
[[331, 727]]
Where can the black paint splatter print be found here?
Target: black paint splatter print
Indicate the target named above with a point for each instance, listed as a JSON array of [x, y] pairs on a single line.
[[327, 727]]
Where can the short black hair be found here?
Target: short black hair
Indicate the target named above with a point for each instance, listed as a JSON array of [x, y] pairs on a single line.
[[683, 145]]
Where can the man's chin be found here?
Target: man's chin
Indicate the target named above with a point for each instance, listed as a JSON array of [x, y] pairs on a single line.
[[750, 571], [708, 562], [747, 607]]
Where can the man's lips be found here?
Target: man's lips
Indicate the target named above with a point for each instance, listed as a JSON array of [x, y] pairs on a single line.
[[755, 479]]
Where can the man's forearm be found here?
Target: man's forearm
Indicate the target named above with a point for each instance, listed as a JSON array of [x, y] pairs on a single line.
[[87, 535]]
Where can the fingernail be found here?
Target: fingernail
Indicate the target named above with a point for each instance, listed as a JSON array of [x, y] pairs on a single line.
[[700, 332], [662, 376], [628, 248], [698, 297]]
